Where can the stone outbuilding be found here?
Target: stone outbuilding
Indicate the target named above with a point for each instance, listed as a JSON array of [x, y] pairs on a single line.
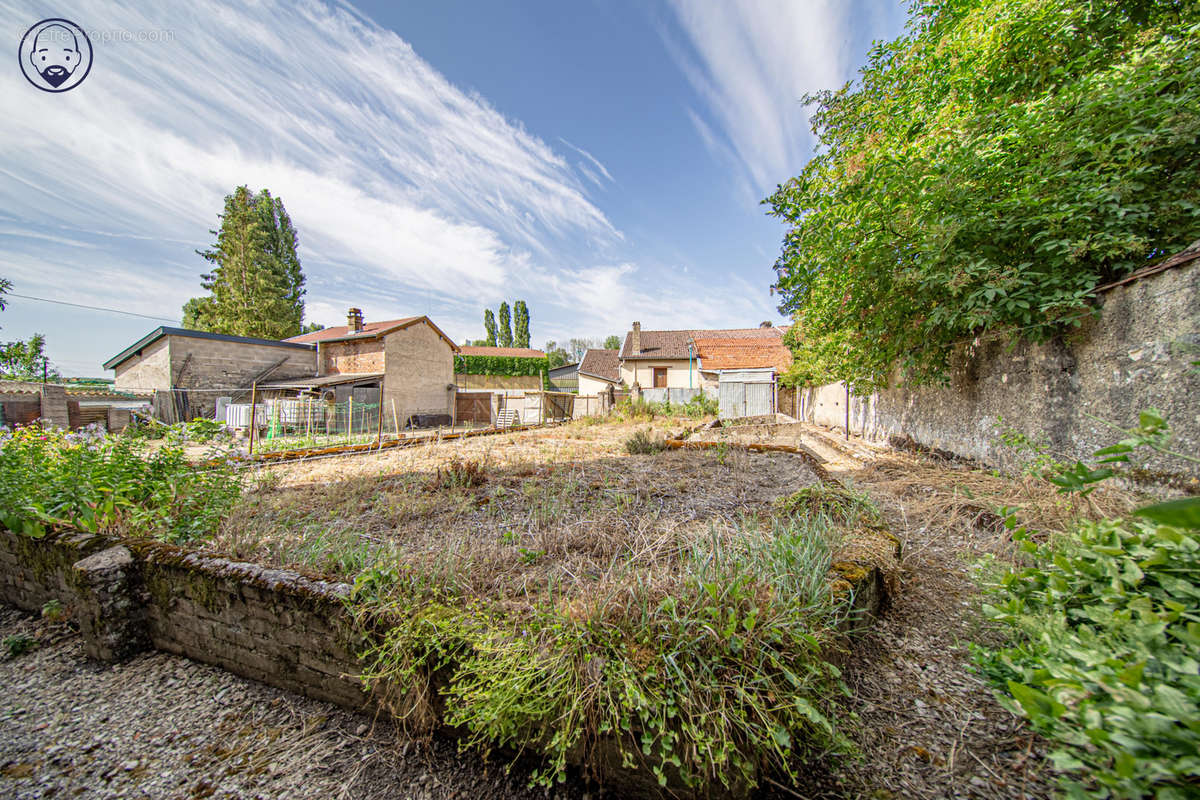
[[188, 370]]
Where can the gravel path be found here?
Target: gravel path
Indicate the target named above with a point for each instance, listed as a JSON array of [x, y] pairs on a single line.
[[160, 726]]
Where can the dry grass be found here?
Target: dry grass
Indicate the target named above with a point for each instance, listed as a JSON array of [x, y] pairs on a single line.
[[563, 513]]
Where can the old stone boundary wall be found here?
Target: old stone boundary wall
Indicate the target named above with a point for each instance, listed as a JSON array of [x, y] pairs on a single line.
[[1136, 353], [273, 626]]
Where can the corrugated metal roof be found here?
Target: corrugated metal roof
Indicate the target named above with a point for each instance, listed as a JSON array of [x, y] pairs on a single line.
[[322, 381]]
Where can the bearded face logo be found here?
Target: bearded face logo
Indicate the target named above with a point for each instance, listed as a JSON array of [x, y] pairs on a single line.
[[56, 55]]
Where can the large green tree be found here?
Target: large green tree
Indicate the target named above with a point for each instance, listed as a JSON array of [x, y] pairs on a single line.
[[986, 172], [256, 285], [520, 324], [489, 324], [506, 335], [612, 342]]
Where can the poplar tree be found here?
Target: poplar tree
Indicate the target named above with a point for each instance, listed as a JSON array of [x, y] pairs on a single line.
[[506, 336], [489, 324], [256, 286], [521, 323]]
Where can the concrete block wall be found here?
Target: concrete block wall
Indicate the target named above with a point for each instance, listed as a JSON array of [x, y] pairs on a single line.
[[152, 370], [420, 373], [217, 367]]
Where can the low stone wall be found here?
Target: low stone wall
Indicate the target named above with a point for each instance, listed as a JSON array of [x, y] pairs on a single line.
[[1136, 353], [273, 626]]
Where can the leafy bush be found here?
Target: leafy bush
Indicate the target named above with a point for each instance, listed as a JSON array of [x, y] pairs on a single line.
[[1105, 632], [702, 405], [1104, 629], [92, 481], [500, 365], [641, 443], [965, 185], [706, 685], [204, 430]]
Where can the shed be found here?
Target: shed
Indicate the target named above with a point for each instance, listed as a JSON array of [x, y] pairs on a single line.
[[746, 392]]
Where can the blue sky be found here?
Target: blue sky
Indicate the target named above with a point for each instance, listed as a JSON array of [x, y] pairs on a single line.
[[602, 159]]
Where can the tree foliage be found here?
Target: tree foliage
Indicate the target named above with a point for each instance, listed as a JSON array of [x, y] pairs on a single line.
[[520, 324], [556, 355], [506, 336], [989, 169], [612, 342], [489, 324], [26, 360], [256, 286]]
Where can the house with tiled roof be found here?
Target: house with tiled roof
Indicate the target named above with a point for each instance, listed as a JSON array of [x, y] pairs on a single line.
[[408, 362], [694, 358], [599, 370]]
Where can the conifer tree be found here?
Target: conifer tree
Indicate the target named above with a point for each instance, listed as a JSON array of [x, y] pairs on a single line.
[[257, 285]]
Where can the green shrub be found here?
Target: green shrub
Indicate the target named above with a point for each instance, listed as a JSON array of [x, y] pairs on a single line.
[[18, 644], [92, 481], [1104, 633], [641, 443], [1105, 629], [702, 405]]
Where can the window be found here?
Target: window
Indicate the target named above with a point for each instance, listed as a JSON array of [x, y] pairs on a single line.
[[660, 377]]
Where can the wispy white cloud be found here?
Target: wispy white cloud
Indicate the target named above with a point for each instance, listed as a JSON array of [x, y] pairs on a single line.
[[410, 195], [385, 166], [603, 170], [752, 62]]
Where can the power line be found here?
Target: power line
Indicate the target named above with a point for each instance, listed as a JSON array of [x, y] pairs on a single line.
[[90, 308]]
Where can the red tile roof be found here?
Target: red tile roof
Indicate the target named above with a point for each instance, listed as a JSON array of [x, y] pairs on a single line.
[[603, 364], [673, 345], [507, 352], [726, 353], [369, 330]]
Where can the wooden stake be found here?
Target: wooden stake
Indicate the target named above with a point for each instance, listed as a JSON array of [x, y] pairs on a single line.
[[379, 432], [847, 411], [395, 419], [253, 415]]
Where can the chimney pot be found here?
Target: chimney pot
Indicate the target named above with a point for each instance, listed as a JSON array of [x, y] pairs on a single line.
[[635, 340], [354, 320]]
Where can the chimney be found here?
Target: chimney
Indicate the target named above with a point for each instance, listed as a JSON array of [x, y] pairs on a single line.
[[354, 320], [635, 341]]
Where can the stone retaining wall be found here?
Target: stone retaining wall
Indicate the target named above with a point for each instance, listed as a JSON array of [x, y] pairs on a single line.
[[273, 626], [1136, 353]]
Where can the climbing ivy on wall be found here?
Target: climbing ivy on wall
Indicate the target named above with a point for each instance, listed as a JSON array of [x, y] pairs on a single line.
[[500, 365]]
